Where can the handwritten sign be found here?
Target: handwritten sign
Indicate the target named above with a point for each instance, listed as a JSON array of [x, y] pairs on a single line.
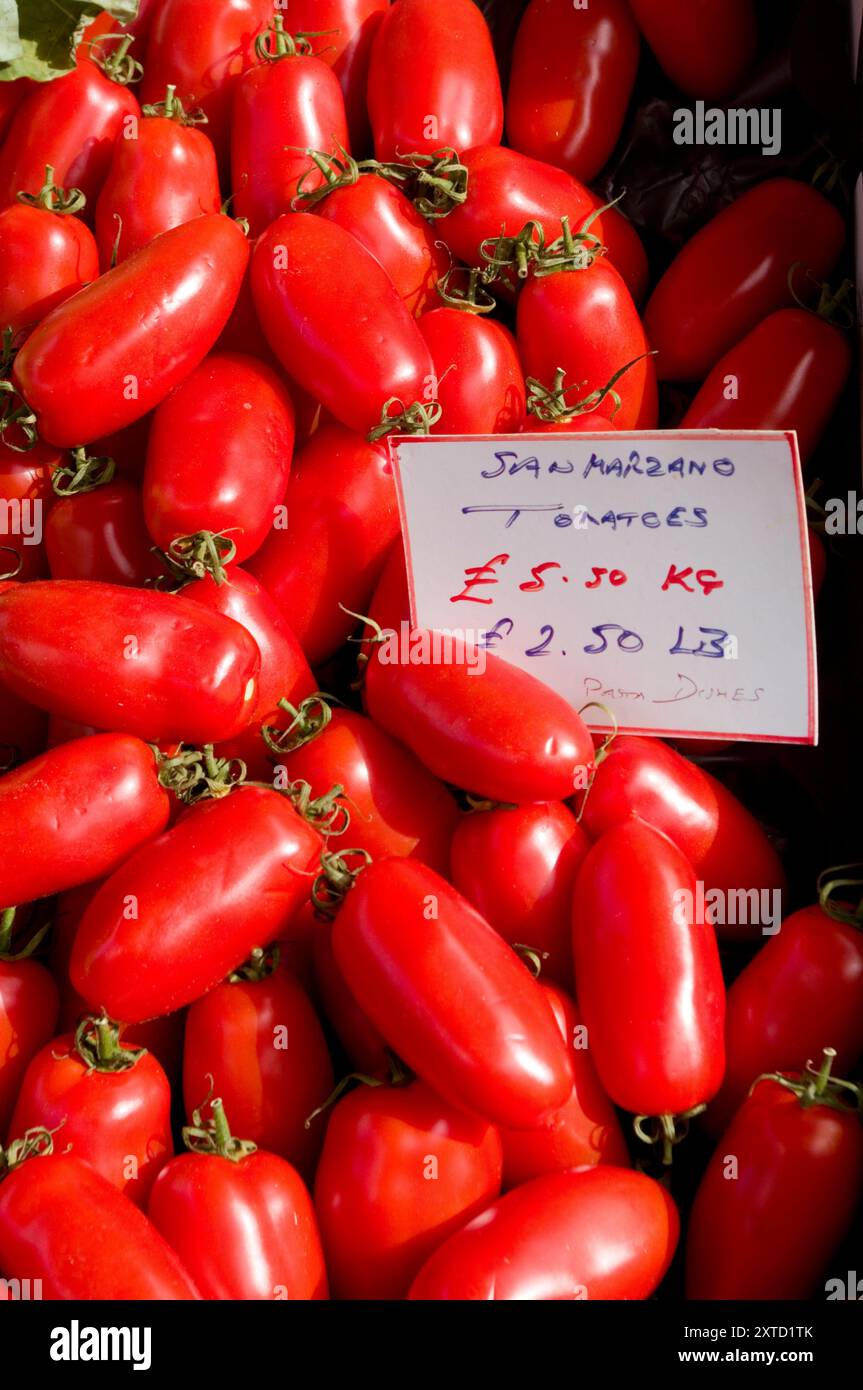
[[665, 575]]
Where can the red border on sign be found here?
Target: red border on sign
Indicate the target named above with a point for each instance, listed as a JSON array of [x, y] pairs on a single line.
[[790, 436]]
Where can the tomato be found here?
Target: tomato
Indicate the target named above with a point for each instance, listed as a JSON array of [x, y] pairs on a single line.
[[184, 940], [133, 660], [386, 222], [11, 96], [725, 844], [479, 381], [127, 447], [202, 50], [335, 320], [735, 271], [359, 1037], [518, 867], [241, 1219], [449, 995], [112, 352], [82, 808], [704, 46], [70, 124], [788, 373], [288, 104], [63, 1223], [573, 70], [163, 173], [401, 1171], [498, 731], [25, 497], [585, 322], [284, 673], [801, 992], [25, 729], [396, 806], [433, 79], [798, 1175], [29, 1005], [585, 1130], [260, 1042], [600, 1233], [113, 1102], [100, 534], [348, 30], [342, 516], [647, 973], [506, 190], [47, 253], [219, 454]]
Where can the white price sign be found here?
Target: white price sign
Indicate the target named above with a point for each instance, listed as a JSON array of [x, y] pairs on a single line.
[[665, 575]]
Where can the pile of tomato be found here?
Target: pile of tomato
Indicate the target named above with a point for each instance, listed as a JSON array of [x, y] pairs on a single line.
[[329, 976]]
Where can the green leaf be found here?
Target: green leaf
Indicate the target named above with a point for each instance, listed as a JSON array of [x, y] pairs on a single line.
[[37, 37]]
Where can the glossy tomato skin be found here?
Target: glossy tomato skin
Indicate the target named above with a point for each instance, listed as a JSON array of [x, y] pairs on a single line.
[[518, 867], [282, 108], [764, 1235], [261, 1042], [480, 384], [203, 50], [500, 733], [101, 535], [586, 322], [245, 1230], [400, 1172], [107, 356], [336, 321], [71, 124], [705, 47], [118, 1122], [599, 1233], [451, 96], [342, 516], [29, 1007], [451, 1003], [723, 842], [46, 257], [182, 943], [285, 672], [735, 271], [347, 48], [396, 806], [573, 70], [588, 423], [219, 454], [386, 222], [63, 1223], [361, 1040], [25, 486], [162, 173], [789, 373], [802, 992], [134, 660], [81, 808], [584, 1131], [649, 981], [507, 189]]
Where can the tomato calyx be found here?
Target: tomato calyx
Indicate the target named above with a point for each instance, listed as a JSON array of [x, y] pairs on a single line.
[[328, 813], [308, 719], [275, 43], [599, 754], [214, 1136], [550, 405], [828, 883], [10, 574], [34, 1143], [473, 298], [400, 1075], [262, 963], [416, 418], [97, 1043], [14, 417], [172, 109], [435, 183], [571, 251], [817, 1086], [667, 1130], [197, 555], [833, 306], [504, 253], [118, 65], [196, 774], [52, 198], [530, 958], [336, 879], [85, 473], [7, 923]]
